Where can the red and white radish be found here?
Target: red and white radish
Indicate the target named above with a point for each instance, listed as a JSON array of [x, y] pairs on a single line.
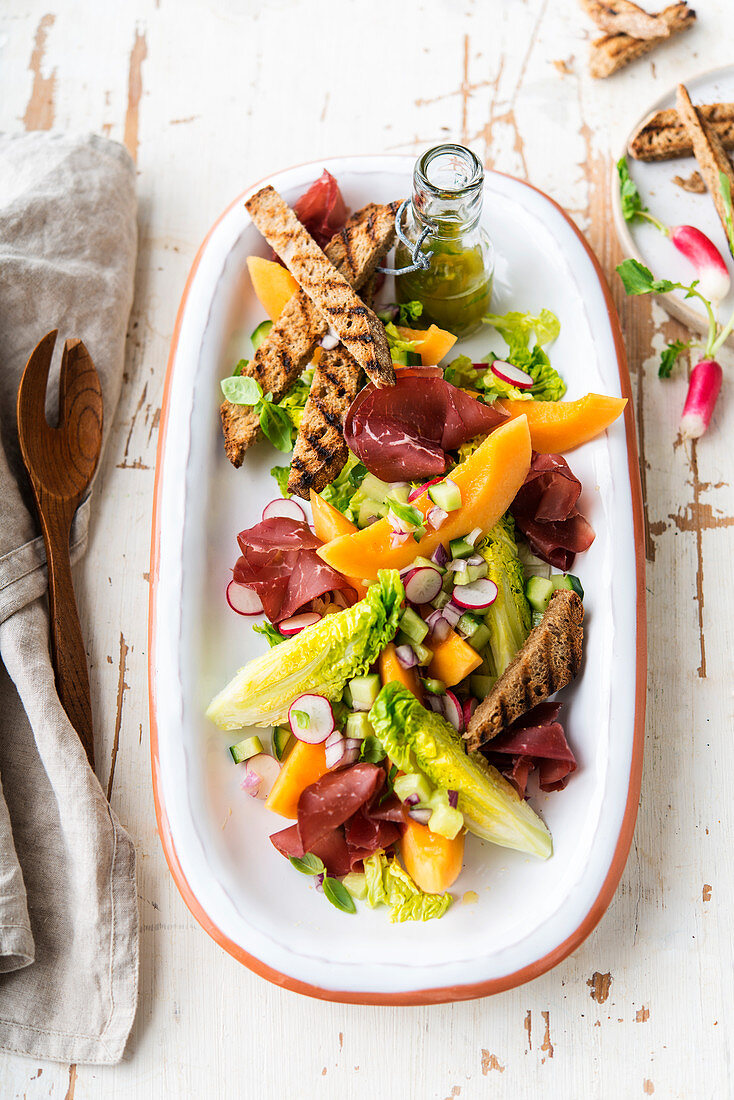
[[511, 374], [260, 773], [243, 600], [703, 389], [452, 711], [713, 275], [422, 584], [311, 718], [297, 623], [470, 705], [280, 508], [478, 594]]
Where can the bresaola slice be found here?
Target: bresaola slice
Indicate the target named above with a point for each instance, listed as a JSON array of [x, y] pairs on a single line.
[[546, 513], [403, 432], [322, 209], [279, 562], [340, 819], [536, 740]]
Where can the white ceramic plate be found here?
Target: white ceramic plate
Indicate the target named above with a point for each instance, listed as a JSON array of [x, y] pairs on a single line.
[[529, 914], [674, 206]]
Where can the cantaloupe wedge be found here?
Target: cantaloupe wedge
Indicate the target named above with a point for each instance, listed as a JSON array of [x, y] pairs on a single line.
[[488, 479], [562, 425], [431, 343], [272, 283], [453, 659], [433, 862], [302, 767], [329, 523], [391, 669]]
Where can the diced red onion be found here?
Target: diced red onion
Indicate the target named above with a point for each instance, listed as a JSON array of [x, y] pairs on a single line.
[[350, 757], [453, 799], [398, 538], [352, 743], [440, 555], [434, 703], [333, 753], [406, 656], [251, 782], [438, 626], [422, 816], [472, 537], [436, 517], [412, 800], [452, 613], [457, 565], [475, 559], [334, 738]]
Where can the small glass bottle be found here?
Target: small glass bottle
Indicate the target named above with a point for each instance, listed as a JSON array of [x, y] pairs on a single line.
[[455, 291]]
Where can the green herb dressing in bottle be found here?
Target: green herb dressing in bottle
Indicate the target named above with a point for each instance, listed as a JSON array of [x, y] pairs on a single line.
[[455, 291]]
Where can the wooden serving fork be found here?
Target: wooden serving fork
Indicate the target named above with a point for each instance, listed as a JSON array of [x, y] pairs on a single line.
[[61, 462]]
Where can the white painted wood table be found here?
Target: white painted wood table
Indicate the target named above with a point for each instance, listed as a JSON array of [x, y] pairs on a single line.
[[208, 97]]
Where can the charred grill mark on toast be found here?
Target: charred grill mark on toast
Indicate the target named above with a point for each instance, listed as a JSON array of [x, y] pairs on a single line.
[[288, 349]]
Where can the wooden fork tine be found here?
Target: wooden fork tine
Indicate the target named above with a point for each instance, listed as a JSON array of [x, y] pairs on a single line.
[[76, 364], [32, 389]]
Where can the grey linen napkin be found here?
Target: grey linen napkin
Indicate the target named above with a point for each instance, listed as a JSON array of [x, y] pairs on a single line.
[[68, 905]]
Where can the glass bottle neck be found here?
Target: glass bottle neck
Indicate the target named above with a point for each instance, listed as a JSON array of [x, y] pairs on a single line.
[[448, 187]]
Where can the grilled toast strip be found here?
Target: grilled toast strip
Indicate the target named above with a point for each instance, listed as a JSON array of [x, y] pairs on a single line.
[[362, 334], [291, 342], [664, 137], [709, 153], [624, 17], [549, 659], [320, 450], [614, 51]]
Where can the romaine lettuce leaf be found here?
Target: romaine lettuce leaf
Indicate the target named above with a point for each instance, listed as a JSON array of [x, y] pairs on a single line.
[[341, 490], [417, 739], [320, 660], [509, 617], [390, 884], [516, 329]]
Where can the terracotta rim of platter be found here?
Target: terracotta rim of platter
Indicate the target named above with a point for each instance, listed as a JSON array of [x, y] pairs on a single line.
[[448, 993]]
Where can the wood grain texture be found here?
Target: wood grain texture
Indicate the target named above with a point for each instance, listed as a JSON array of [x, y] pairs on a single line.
[[657, 1018]]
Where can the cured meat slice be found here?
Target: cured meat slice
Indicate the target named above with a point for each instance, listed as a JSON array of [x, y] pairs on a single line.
[[545, 511]]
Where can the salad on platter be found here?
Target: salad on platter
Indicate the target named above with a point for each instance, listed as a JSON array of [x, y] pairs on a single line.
[[411, 581]]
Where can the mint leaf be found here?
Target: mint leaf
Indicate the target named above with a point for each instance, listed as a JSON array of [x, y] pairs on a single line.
[[337, 893], [242, 391], [281, 475], [669, 357], [308, 864], [372, 750], [276, 424], [638, 279], [630, 198]]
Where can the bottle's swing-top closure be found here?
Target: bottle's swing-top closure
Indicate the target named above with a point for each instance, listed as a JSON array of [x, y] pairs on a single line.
[[444, 258]]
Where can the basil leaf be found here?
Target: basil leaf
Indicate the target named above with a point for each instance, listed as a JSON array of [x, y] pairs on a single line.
[[308, 864], [406, 512], [242, 390], [281, 475], [638, 279], [372, 750], [629, 196], [725, 188], [276, 425], [669, 357], [338, 895]]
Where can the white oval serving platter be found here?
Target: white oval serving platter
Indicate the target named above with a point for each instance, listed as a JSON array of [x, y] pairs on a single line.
[[674, 206], [529, 914]]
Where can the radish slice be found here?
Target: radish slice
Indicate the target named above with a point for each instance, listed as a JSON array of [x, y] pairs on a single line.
[[422, 584], [311, 718], [478, 594], [297, 623], [421, 489], [434, 702], [513, 375], [452, 711], [243, 600], [284, 509], [261, 771], [469, 707]]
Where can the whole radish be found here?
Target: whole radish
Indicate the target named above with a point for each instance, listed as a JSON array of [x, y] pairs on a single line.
[[703, 389]]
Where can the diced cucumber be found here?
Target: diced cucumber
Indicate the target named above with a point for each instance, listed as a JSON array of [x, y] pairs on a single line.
[[405, 358], [424, 655], [407, 785], [460, 548], [243, 750], [538, 592], [356, 884], [471, 573], [446, 821], [480, 637], [481, 685], [447, 584], [434, 687], [567, 580], [446, 495], [359, 726], [441, 600], [426, 563], [412, 625], [373, 488], [369, 510], [364, 690], [468, 625], [399, 492], [260, 333]]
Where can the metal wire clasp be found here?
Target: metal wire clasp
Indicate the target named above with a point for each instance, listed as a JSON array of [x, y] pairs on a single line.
[[421, 260]]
